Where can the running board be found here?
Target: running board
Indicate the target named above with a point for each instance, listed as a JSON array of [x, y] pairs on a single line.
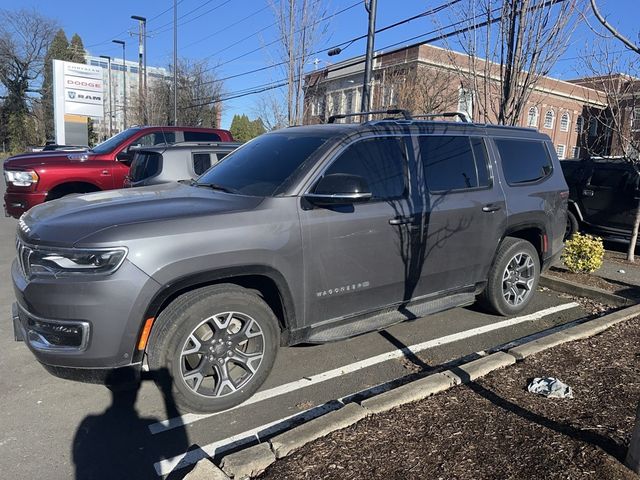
[[381, 320]]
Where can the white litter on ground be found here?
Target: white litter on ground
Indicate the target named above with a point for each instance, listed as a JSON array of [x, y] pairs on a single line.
[[550, 387]]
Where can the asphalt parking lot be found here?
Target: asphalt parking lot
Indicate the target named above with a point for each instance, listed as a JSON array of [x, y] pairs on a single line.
[[60, 429]]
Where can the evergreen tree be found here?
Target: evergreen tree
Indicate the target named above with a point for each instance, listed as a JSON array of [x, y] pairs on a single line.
[[244, 129], [77, 52], [58, 50]]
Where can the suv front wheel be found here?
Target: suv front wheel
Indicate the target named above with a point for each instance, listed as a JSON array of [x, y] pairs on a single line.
[[513, 278], [218, 343]]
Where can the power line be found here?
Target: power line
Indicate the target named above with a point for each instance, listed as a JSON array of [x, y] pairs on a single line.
[[350, 41], [161, 29], [270, 86], [278, 39], [227, 27], [126, 30]]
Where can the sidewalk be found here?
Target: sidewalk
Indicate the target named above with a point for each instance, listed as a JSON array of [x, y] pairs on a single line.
[[494, 428]]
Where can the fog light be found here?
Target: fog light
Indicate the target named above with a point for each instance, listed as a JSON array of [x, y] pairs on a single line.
[[44, 334]]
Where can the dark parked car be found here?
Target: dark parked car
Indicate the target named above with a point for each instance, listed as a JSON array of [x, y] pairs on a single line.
[[171, 163], [306, 234], [603, 196]]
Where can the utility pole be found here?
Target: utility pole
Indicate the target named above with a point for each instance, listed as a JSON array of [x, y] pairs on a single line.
[[175, 62], [124, 76], [142, 73], [371, 6], [108, 58]]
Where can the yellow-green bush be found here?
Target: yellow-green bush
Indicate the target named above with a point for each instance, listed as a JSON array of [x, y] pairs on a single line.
[[583, 253]]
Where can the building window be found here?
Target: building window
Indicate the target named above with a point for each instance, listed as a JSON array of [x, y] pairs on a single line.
[[579, 124], [465, 102], [349, 101], [548, 119], [593, 127], [575, 153], [560, 151], [532, 117], [635, 120], [564, 122], [336, 106]]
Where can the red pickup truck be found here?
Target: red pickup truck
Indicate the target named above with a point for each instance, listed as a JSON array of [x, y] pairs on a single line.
[[34, 178]]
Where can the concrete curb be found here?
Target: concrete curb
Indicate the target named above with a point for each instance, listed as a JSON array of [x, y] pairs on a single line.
[[249, 462], [254, 460], [572, 288], [295, 438]]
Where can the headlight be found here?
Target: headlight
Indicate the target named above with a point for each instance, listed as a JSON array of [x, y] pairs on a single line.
[[21, 178], [72, 261]]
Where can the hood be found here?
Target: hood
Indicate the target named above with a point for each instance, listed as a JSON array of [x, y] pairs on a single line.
[[67, 221], [38, 159]]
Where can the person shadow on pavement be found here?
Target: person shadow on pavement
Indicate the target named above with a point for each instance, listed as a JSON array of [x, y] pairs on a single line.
[[117, 443]]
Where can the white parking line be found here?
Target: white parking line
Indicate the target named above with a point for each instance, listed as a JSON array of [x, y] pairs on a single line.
[[164, 467], [190, 418]]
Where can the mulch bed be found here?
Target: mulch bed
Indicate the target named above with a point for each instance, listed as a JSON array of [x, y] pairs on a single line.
[[592, 280], [494, 428]]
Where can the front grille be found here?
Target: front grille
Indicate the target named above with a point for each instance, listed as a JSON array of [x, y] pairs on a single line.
[[24, 253]]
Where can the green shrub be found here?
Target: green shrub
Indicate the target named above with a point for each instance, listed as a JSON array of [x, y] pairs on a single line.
[[583, 253]]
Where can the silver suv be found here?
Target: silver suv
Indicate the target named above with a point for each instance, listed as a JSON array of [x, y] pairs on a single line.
[[171, 163], [306, 234]]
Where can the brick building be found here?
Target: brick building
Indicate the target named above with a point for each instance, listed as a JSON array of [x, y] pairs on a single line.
[[426, 79]]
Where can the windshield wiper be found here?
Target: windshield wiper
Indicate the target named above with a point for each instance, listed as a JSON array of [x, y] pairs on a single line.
[[213, 186]]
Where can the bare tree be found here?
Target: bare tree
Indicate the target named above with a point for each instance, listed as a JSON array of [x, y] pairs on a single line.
[[271, 110], [25, 36], [619, 123], [508, 46], [420, 89], [199, 97], [300, 31]]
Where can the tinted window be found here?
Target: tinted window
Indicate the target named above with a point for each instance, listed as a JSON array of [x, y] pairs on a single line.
[[262, 166], [201, 162], [608, 177], [450, 164], [201, 137], [113, 142], [221, 155], [145, 165], [523, 160], [380, 161]]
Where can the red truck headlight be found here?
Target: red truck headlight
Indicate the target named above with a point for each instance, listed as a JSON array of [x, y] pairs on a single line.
[[21, 178]]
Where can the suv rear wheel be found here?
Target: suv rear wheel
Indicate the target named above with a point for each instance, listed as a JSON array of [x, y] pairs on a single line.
[[218, 344], [513, 278]]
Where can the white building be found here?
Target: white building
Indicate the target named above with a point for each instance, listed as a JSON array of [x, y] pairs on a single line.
[[116, 91]]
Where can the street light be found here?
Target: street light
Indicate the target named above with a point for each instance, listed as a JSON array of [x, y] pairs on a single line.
[[142, 53], [110, 96], [124, 76]]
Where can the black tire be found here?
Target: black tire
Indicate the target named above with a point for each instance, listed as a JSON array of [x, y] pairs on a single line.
[[195, 320], [572, 226], [502, 284]]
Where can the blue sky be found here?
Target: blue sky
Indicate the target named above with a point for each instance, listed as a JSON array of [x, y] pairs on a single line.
[[200, 34]]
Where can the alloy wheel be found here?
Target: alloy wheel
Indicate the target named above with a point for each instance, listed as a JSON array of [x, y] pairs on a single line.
[[518, 279]]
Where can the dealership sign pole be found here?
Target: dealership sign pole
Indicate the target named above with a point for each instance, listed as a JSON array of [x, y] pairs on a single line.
[[78, 93]]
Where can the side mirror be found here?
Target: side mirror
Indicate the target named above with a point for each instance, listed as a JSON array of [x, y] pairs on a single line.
[[340, 189], [125, 157]]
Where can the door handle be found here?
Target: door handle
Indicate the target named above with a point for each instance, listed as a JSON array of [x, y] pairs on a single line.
[[105, 173], [399, 221], [587, 193], [491, 208]]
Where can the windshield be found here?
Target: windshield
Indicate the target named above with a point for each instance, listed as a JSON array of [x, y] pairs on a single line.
[[108, 145], [261, 167]]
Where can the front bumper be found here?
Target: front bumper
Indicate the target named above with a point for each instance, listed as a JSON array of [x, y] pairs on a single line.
[[16, 203], [83, 322]]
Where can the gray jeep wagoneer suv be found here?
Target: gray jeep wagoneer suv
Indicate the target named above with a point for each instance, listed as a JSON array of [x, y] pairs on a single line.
[[306, 234]]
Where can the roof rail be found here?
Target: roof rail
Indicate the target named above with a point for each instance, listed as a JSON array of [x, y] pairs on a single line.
[[396, 111], [461, 115]]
